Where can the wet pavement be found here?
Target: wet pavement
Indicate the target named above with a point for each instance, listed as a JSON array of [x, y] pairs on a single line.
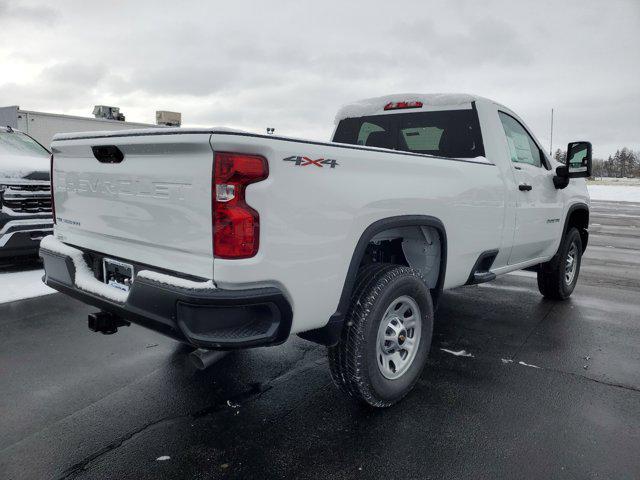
[[552, 391]]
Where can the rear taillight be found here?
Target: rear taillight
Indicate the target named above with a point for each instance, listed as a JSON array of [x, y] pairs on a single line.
[[236, 226], [53, 203], [401, 105]]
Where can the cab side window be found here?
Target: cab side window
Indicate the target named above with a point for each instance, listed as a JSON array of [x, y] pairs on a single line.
[[521, 146]]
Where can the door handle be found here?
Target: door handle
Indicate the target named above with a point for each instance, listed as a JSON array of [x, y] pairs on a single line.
[[525, 187]]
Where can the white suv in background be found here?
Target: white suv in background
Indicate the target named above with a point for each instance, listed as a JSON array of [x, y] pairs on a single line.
[[25, 194]]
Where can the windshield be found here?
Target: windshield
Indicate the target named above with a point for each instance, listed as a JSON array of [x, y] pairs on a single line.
[[447, 133], [17, 143]]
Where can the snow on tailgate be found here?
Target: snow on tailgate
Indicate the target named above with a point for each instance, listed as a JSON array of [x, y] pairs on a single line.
[[84, 278]]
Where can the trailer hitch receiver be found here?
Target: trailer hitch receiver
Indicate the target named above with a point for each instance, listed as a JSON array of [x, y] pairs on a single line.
[[106, 323]]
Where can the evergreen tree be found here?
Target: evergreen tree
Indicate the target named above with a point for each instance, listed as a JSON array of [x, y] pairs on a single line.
[[608, 167], [624, 163], [598, 168], [560, 156], [615, 164]]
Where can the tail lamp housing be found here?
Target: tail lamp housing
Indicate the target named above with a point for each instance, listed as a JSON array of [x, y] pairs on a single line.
[[236, 226]]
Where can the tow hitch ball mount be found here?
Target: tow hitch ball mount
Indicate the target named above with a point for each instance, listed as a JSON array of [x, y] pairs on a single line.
[[106, 323]]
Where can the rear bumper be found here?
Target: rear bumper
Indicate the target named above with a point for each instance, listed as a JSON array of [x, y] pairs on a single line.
[[206, 318]]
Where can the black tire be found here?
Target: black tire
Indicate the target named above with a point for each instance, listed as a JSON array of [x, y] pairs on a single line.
[[353, 361], [552, 275]]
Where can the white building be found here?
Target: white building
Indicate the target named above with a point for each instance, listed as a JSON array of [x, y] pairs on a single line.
[[43, 126]]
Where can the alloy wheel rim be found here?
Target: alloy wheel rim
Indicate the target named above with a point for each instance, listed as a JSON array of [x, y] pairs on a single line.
[[571, 264], [398, 337]]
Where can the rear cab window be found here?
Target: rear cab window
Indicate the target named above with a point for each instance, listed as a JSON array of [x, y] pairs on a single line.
[[443, 133]]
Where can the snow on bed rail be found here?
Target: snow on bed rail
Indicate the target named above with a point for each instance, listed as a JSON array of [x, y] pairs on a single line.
[[141, 131], [371, 106], [84, 278], [176, 281]]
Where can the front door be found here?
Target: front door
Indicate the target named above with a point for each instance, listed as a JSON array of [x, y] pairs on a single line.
[[539, 203]]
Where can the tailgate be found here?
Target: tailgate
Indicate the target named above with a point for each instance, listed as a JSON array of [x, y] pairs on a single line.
[[153, 207]]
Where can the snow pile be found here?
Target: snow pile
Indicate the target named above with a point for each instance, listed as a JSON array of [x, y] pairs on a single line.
[[84, 276], [461, 353], [372, 106], [527, 365], [615, 181], [20, 285], [176, 281], [614, 193]]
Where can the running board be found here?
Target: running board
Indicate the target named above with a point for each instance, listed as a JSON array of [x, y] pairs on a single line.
[[481, 277]]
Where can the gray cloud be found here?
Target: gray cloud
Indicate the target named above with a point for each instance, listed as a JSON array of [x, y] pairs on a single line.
[[485, 40], [40, 14], [290, 65], [71, 73]]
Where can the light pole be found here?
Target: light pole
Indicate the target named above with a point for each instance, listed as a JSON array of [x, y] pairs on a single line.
[[551, 141]]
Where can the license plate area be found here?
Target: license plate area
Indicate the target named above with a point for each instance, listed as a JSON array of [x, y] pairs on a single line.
[[117, 274]]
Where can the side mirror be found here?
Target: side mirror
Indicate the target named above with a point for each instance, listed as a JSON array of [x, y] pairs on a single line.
[[561, 178], [579, 159]]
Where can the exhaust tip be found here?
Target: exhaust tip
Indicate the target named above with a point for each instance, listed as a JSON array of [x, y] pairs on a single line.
[[203, 359]]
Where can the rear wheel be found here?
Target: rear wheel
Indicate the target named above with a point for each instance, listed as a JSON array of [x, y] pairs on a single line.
[[558, 277], [386, 337]]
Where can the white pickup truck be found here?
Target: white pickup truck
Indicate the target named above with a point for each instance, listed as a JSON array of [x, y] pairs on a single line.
[[226, 239]]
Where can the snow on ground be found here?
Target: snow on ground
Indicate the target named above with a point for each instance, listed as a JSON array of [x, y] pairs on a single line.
[[461, 353], [19, 285], [614, 193]]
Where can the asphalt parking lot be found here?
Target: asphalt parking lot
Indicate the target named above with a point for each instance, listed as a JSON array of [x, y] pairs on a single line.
[[550, 390]]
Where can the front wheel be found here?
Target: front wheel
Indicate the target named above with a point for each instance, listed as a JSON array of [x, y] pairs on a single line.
[[558, 277], [386, 337]]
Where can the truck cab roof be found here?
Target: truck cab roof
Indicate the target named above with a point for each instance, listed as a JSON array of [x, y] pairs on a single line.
[[420, 101]]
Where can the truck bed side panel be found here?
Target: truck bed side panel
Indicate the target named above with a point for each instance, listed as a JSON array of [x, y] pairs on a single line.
[[312, 216]]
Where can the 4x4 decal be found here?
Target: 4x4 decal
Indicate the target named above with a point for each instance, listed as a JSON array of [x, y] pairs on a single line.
[[304, 161]]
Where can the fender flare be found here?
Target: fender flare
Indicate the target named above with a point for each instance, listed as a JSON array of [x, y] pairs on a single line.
[[330, 334], [574, 207]]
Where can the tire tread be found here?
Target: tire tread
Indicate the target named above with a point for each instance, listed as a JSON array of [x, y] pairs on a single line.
[[551, 274], [345, 359]]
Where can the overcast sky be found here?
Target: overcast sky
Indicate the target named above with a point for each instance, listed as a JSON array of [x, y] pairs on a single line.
[[291, 64]]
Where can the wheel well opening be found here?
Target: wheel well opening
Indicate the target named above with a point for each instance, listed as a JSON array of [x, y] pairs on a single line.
[[418, 247], [417, 241], [579, 218]]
